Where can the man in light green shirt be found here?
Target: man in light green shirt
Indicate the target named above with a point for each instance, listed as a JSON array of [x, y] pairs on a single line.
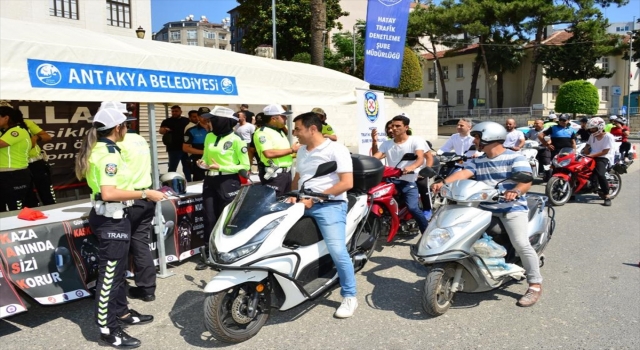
[[327, 130], [40, 168]]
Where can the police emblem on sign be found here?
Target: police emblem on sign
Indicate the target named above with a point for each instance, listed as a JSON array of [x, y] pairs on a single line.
[[371, 106], [111, 169], [262, 139], [227, 145]]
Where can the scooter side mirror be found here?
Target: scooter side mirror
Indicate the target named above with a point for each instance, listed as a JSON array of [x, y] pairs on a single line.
[[326, 169], [522, 177], [409, 156], [427, 172]]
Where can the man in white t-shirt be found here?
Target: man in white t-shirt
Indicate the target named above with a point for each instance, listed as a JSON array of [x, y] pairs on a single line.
[[460, 142], [393, 150], [331, 216], [515, 137], [244, 129], [601, 147]]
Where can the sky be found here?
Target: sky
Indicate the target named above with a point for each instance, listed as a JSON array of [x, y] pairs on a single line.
[[163, 11]]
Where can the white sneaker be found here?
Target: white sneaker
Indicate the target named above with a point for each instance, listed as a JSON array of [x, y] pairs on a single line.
[[347, 308]]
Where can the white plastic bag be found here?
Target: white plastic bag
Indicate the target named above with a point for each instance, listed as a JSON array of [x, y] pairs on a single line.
[[486, 247]]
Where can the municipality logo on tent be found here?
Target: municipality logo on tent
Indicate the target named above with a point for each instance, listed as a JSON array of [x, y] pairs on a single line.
[[48, 74], [227, 85]]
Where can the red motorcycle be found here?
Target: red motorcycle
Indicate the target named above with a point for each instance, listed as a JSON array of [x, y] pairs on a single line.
[[394, 216], [574, 174]]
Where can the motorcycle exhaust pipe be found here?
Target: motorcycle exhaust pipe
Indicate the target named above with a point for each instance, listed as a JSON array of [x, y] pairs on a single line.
[[359, 259]]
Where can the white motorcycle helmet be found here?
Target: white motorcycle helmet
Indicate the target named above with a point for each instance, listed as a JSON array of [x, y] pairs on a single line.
[[175, 181], [596, 122], [489, 132]]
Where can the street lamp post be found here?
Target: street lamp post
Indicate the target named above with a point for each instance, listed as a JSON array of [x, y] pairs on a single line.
[[633, 24], [355, 26], [273, 20]]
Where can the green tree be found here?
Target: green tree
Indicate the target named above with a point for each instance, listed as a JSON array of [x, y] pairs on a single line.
[[577, 96], [410, 76], [293, 24], [576, 59]]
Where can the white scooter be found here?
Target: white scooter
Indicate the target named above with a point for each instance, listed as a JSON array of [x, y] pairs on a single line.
[[270, 255], [447, 246], [530, 151]]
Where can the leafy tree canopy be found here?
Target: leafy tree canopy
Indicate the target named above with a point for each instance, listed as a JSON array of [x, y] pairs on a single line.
[[577, 97], [293, 24]]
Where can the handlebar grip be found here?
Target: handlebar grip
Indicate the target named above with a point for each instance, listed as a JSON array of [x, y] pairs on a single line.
[[316, 194]]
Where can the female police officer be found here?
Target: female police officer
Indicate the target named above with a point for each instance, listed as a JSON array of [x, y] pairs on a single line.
[[100, 162], [225, 154], [15, 144]]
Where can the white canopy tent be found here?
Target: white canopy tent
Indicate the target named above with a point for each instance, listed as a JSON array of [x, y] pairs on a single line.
[[45, 62]]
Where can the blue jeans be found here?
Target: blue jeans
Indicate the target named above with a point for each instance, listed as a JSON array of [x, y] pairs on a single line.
[[331, 218], [176, 157], [411, 197]]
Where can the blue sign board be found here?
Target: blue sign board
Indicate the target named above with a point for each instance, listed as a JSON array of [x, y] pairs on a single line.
[[384, 44], [80, 76]]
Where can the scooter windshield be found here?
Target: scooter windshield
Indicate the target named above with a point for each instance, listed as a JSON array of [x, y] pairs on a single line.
[[566, 151], [251, 203]]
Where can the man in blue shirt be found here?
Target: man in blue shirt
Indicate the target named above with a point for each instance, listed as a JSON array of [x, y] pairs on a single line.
[[562, 135], [496, 165], [194, 143]]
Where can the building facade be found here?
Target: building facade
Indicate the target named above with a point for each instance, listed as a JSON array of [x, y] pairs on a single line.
[[196, 33], [458, 72], [118, 17]]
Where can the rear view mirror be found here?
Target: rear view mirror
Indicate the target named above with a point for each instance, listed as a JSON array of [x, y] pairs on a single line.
[[409, 156], [522, 177], [326, 169], [427, 172]]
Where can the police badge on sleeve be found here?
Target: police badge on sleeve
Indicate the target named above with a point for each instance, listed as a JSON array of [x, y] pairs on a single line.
[[111, 169], [262, 139]]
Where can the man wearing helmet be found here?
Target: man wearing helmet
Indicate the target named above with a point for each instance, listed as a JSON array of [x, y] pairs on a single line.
[[498, 164], [621, 133], [600, 147]]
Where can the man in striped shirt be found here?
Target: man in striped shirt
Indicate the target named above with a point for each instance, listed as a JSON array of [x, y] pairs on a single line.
[[496, 165]]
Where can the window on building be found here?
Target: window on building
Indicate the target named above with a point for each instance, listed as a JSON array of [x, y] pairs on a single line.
[[417, 95], [432, 74], [175, 35], [605, 94], [605, 63], [460, 97], [460, 71], [119, 13], [554, 91], [64, 8], [431, 95], [222, 36], [192, 42], [477, 93], [210, 35], [222, 47], [445, 72], [192, 34]]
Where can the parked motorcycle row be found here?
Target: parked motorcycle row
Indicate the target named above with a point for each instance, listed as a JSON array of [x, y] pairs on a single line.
[[269, 255]]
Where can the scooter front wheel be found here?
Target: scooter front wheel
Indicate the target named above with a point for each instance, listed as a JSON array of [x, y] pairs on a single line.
[[437, 295], [228, 314], [558, 190]]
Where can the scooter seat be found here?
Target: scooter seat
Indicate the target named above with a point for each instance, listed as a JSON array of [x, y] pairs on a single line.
[[496, 228], [303, 233], [533, 204]]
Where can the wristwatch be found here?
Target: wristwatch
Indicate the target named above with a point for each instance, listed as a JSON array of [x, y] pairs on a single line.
[[144, 194]]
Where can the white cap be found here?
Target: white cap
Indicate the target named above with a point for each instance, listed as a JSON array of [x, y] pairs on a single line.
[[218, 111], [110, 118], [275, 110], [121, 107], [613, 117], [553, 116]]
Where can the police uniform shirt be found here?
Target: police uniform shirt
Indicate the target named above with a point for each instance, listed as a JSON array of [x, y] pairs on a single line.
[[307, 162], [229, 151], [561, 136], [136, 153], [16, 156], [267, 138], [195, 137], [107, 168], [34, 129], [327, 129]]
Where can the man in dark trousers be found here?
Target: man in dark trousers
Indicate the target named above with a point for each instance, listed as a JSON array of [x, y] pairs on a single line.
[[172, 131]]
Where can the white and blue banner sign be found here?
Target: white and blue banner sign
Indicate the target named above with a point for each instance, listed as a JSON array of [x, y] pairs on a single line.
[[384, 44], [80, 76]]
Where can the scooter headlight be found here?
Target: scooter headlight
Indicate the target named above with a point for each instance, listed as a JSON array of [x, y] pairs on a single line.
[[561, 164], [382, 192], [438, 236], [445, 192], [481, 196], [251, 246]]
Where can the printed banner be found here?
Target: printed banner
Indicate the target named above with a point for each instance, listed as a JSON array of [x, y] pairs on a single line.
[[189, 230], [40, 263], [81, 76], [384, 44], [10, 301], [371, 115]]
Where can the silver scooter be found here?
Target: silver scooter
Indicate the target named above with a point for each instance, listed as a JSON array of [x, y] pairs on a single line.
[[446, 247]]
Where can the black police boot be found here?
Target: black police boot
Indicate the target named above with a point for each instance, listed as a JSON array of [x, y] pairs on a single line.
[[134, 317], [138, 293], [204, 260], [119, 339]]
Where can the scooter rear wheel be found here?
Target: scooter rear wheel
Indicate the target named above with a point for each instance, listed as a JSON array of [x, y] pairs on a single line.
[[374, 227], [226, 313], [556, 191], [437, 295], [615, 184]]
